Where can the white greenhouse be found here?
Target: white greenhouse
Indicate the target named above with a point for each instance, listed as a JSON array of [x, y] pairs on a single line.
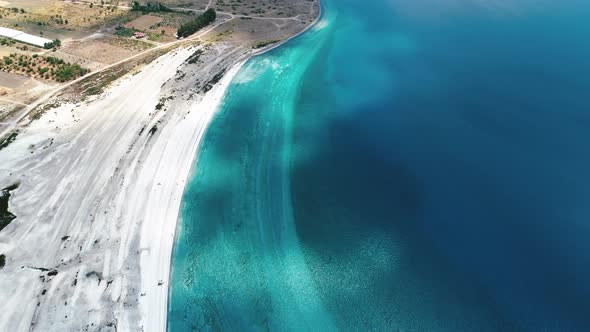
[[23, 37]]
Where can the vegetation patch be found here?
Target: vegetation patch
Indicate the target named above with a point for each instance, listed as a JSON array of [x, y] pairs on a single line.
[[196, 24], [9, 139], [5, 216], [52, 44], [96, 83], [216, 78], [2, 261], [43, 67], [7, 42], [122, 31], [162, 102], [150, 7], [130, 44], [38, 111], [194, 58], [156, 26], [63, 15], [265, 43]]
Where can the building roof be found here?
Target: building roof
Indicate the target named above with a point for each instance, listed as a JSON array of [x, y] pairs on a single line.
[[23, 37]]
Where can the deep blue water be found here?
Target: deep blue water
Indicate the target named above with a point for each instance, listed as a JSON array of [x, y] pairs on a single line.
[[406, 165]]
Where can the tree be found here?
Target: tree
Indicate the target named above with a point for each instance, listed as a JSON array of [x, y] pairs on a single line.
[[150, 7], [196, 24], [52, 44]]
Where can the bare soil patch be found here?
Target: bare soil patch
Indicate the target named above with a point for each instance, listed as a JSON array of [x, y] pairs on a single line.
[[104, 50], [11, 81], [144, 22]]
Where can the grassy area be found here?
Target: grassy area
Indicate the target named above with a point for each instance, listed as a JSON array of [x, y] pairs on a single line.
[[97, 83], [213, 81], [122, 31], [7, 42], [157, 37], [62, 15], [265, 43], [43, 67], [130, 44], [150, 7], [173, 20], [162, 28]]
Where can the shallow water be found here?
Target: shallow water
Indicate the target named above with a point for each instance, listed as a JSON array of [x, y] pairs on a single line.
[[411, 165]]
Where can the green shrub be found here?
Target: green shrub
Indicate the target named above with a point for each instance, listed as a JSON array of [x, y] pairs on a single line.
[[52, 44], [150, 7]]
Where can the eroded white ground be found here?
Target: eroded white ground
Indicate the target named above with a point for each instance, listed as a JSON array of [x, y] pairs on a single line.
[[100, 188]]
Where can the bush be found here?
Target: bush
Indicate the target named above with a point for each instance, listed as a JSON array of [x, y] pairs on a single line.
[[54, 60], [67, 72], [124, 32], [52, 44], [150, 7]]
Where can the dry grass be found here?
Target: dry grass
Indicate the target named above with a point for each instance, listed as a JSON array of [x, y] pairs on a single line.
[[10, 81], [99, 50], [63, 15], [131, 44], [144, 22]]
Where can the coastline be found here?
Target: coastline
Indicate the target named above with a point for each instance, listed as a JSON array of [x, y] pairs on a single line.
[[100, 187], [101, 184], [169, 247], [155, 307], [282, 42]]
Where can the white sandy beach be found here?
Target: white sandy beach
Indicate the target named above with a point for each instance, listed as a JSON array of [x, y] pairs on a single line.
[[101, 183], [100, 189]]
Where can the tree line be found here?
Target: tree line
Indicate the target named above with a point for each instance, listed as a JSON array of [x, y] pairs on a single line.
[[197, 23], [150, 7]]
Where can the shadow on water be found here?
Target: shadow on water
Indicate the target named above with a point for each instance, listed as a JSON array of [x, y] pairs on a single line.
[[476, 162], [357, 217]]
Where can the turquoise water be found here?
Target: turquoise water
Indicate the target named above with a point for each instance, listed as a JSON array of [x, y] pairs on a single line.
[[404, 165]]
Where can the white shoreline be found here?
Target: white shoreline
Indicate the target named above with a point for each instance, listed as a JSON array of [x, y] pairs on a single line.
[[155, 308], [162, 317]]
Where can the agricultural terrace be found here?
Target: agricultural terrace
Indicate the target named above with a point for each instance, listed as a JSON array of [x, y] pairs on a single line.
[[41, 67]]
